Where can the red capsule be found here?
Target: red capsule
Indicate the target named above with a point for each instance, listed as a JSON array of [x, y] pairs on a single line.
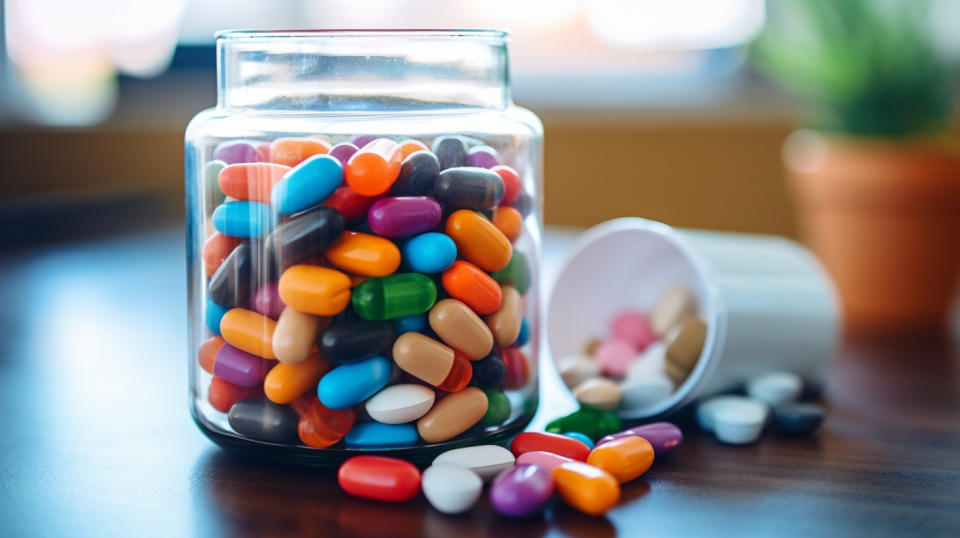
[[549, 442], [379, 478], [223, 394], [517, 368], [350, 204]]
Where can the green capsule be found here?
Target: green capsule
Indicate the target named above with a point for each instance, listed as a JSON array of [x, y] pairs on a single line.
[[211, 186], [516, 273], [594, 423], [394, 296], [498, 408]]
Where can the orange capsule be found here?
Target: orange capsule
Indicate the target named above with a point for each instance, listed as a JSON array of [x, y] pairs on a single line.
[[321, 426], [509, 221], [409, 146], [216, 249], [314, 290], [588, 489], [373, 169], [429, 360], [625, 458], [468, 283], [287, 382], [250, 181], [292, 151], [249, 331], [478, 240], [207, 354], [364, 254], [223, 394]]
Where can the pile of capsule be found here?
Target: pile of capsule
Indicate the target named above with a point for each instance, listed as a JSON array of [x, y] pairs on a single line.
[[644, 357], [325, 266], [523, 478]]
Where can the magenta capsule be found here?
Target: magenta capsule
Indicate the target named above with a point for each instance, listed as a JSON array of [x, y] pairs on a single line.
[[404, 215], [239, 367]]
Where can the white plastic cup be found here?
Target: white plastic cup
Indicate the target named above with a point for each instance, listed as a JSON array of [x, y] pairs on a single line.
[[767, 301]]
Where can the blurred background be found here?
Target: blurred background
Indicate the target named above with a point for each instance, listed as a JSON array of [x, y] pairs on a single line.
[[676, 111]]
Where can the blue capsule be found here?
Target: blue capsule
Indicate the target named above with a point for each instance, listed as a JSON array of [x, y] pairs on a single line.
[[214, 313], [307, 184], [416, 323], [580, 437], [431, 252], [524, 335], [378, 435], [243, 219], [350, 384]]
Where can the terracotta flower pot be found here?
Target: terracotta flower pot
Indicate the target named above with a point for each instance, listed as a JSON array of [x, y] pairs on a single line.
[[884, 216]]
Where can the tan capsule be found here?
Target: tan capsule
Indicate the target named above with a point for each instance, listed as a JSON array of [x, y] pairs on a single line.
[[674, 304], [296, 334], [505, 322], [598, 392], [688, 343], [423, 357], [453, 415], [460, 328]]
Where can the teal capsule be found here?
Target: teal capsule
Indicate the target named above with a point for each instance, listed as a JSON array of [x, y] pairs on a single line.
[[498, 408], [394, 296], [593, 423], [581, 437], [516, 273]]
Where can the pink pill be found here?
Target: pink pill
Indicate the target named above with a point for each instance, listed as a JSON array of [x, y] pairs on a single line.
[[633, 327], [547, 460], [267, 301], [614, 357]]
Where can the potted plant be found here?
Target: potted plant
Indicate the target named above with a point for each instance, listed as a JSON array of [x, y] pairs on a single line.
[[877, 175]]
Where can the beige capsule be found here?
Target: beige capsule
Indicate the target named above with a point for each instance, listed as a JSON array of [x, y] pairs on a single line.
[[460, 328], [674, 304], [686, 346], [598, 392], [296, 334], [505, 322], [423, 357], [453, 415]]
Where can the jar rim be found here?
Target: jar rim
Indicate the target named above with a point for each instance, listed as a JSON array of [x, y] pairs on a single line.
[[481, 33]]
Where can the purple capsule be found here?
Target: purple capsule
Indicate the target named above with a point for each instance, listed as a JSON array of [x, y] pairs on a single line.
[[482, 157], [663, 436], [343, 151], [236, 152], [521, 491], [267, 300], [404, 215], [239, 367], [361, 140]]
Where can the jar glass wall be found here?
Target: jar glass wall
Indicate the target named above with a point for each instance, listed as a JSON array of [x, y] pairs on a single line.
[[363, 232]]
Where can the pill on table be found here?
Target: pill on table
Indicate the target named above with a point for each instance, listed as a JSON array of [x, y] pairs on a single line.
[[292, 151], [775, 388], [433, 362], [307, 184], [575, 369], [411, 145], [664, 437], [615, 357], [379, 435], [315, 290], [264, 420], [626, 458], [684, 351], [346, 342], [215, 250], [207, 354], [417, 175], [487, 461], [402, 403], [588, 489], [482, 157], [489, 371], [379, 478], [350, 384], [250, 181], [652, 362], [676, 303], [540, 458], [708, 407], [498, 408], [350, 204], [222, 394], [240, 151], [512, 186], [521, 491], [453, 415], [468, 188], [400, 216], [509, 221], [798, 419], [598, 392], [239, 367], [250, 331], [633, 327], [460, 328], [516, 273], [267, 300], [320, 426], [343, 151], [505, 322], [583, 438], [394, 296], [373, 169], [468, 283], [430, 252], [644, 392], [549, 442], [739, 422], [416, 323], [243, 219], [595, 423], [364, 254], [287, 382], [450, 151], [295, 335], [451, 489], [212, 314], [517, 365]]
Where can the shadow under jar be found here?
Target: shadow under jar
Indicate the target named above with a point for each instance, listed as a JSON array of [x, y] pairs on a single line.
[[363, 233]]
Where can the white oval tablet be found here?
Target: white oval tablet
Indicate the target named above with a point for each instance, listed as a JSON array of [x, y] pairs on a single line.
[[708, 407], [651, 362], [487, 461], [398, 404], [775, 388], [576, 369], [451, 489], [740, 422], [647, 391]]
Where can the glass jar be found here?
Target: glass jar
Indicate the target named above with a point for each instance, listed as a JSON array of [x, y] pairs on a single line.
[[363, 231]]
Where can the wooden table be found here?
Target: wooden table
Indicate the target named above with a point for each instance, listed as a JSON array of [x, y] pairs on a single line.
[[97, 438]]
